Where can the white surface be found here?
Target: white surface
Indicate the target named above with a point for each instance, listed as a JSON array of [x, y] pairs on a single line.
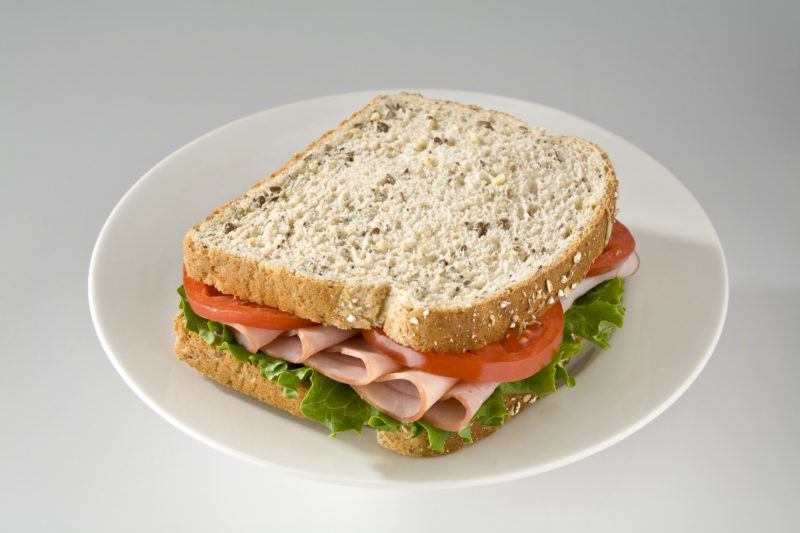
[[91, 98], [682, 286]]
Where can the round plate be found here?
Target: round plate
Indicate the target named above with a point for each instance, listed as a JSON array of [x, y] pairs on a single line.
[[675, 304]]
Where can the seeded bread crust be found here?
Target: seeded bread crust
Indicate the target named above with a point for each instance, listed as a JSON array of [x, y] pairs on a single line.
[[223, 368], [425, 328], [220, 366]]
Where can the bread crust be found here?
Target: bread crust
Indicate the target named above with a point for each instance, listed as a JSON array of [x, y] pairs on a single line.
[[220, 366], [223, 368], [453, 329]]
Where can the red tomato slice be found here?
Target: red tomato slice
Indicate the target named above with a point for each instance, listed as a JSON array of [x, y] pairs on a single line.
[[513, 358], [618, 249], [209, 303]]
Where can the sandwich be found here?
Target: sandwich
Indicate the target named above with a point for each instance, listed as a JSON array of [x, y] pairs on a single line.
[[427, 269]]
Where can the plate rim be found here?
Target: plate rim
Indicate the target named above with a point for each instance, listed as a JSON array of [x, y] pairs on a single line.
[[394, 483]]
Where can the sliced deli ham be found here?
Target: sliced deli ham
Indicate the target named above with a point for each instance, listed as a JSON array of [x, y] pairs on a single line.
[[253, 339], [455, 409], [317, 338], [353, 362], [295, 345], [287, 348], [406, 395]]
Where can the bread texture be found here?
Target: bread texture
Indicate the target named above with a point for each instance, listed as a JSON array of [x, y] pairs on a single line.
[[223, 368], [446, 225]]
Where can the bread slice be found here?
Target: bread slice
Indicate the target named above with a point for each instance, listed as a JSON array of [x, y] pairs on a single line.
[[223, 368], [444, 224]]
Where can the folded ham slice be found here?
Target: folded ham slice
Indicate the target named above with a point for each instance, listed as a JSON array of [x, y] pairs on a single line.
[[317, 338], [253, 339], [287, 348], [405, 395], [353, 362], [455, 409], [295, 345]]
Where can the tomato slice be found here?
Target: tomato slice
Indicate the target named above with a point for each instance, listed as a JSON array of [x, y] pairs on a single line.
[[209, 303], [513, 358], [620, 246]]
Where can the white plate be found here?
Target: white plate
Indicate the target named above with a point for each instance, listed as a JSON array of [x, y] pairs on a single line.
[[676, 306]]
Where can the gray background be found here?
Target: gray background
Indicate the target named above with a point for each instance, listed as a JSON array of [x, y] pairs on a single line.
[[92, 96]]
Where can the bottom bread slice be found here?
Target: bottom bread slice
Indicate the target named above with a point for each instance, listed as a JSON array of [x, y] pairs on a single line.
[[223, 368]]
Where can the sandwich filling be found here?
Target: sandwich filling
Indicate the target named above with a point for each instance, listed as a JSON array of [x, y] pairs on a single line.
[[360, 377]]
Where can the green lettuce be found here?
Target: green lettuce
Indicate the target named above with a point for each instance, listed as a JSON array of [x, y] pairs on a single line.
[[547, 379], [596, 314], [333, 404], [493, 412], [336, 405], [436, 437], [286, 375], [591, 317], [383, 422]]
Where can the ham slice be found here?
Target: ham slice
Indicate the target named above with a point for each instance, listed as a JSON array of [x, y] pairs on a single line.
[[296, 346], [406, 395], [317, 338], [287, 348], [253, 339], [455, 409], [353, 362]]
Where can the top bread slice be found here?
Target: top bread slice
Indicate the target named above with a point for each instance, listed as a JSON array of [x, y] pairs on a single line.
[[444, 224]]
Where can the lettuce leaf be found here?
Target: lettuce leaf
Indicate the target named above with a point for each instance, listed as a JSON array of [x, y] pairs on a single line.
[[493, 412], [466, 434], [436, 436], [193, 321], [286, 375], [336, 405], [593, 317], [383, 422]]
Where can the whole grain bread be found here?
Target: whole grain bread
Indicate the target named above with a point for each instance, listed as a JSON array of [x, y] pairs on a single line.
[[220, 366], [444, 224]]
